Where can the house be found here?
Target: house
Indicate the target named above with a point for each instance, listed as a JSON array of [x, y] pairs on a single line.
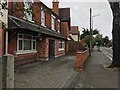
[[35, 32], [74, 33]]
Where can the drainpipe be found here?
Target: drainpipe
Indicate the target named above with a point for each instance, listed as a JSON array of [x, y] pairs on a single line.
[[6, 43]]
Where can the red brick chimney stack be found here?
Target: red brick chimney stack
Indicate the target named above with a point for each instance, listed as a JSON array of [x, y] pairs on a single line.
[[55, 6]]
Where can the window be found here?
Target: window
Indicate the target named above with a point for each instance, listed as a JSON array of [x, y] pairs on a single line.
[[28, 10], [52, 22], [26, 42], [61, 45], [59, 26], [42, 17]]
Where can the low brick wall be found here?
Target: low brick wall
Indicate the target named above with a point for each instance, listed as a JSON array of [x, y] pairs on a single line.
[[81, 57]]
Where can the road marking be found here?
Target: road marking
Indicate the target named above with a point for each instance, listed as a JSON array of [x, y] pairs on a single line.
[[108, 55], [111, 55]]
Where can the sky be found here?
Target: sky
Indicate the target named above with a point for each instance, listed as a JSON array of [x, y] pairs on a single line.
[[80, 14]]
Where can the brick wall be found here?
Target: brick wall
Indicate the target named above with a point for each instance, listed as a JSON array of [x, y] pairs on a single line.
[[12, 43], [1, 41], [56, 24], [25, 58], [42, 49], [17, 9], [42, 46], [36, 13], [64, 29], [48, 20], [57, 52], [19, 58], [73, 46], [56, 46]]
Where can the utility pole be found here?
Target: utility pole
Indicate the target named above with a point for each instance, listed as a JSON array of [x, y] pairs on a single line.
[[90, 33]]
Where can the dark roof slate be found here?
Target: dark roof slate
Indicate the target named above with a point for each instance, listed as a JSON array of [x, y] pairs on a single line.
[[74, 30], [64, 13], [16, 23]]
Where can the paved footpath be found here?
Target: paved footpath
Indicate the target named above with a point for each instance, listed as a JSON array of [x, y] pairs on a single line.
[[95, 76], [60, 73], [57, 73]]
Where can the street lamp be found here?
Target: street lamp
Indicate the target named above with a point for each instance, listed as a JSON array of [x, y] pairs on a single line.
[[91, 29], [92, 19]]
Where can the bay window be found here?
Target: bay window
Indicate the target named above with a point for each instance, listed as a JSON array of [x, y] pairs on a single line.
[[26, 42]]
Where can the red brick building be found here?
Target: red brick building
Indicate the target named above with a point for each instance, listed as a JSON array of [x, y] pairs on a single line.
[[36, 32], [75, 33]]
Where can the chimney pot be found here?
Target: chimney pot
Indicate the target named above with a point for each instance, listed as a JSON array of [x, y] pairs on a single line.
[[55, 6]]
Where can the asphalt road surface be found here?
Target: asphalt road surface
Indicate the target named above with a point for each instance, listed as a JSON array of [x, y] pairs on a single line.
[[108, 52]]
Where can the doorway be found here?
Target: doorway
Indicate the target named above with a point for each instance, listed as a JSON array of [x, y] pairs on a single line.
[[51, 48]]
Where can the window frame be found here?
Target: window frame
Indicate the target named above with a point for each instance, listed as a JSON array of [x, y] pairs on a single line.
[[29, 16], [53, 22], [33, 39], [63, 43], [43, 19], [58, 25]]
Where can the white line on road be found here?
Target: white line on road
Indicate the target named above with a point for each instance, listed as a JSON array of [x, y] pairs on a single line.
[[111, 55], [108, 55]]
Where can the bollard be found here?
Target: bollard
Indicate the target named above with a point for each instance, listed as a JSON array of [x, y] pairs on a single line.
[[0, 73], [8, 71]]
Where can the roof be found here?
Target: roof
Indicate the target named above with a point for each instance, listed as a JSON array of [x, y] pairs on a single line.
[[74, 30], [71, 38], [64, 13], [16, 23]]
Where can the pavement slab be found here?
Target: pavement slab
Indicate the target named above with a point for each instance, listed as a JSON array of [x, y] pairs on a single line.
[[94, 74], [60, 73], [57, 73]]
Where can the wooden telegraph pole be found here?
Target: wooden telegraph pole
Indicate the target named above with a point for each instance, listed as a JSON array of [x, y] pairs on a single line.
[[90, 49]]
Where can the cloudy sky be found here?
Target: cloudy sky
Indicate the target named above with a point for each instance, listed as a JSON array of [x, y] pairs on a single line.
[[80, 14]]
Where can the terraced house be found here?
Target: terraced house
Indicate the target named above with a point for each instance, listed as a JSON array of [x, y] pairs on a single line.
[[36, 32]]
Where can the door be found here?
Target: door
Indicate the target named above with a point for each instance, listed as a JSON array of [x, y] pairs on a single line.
[[51, 48]]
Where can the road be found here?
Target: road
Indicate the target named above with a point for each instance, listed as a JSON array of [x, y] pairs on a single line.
[[108, 52]]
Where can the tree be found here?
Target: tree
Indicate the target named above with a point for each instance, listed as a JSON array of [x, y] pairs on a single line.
[[106, 40], [86, 32], [99, 39], [86, 35], [3, 6]]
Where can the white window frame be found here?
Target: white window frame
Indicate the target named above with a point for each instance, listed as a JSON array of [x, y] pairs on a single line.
[[58, 25], [61, 42], [53, 22], [29, 17], [33, 39], [43, 17]]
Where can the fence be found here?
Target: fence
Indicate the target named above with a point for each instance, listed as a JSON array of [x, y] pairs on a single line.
[[73, 46]]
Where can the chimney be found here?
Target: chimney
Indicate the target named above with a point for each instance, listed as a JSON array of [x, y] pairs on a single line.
[[55, 6]]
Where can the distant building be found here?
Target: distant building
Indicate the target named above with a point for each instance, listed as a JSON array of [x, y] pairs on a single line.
[[74, 33]]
